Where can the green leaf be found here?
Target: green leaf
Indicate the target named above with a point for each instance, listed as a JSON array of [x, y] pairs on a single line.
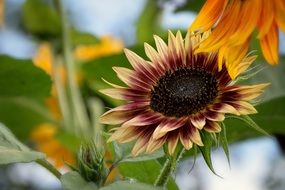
[[80, 38], [125, 185], [123, 153], [11, 155], [206, 150], [191, 5], [73, 181], [250, 123], [41, 19], [8, 139], [148, 23], [22, 78], [146, 171], [12, 150], [21, 115]]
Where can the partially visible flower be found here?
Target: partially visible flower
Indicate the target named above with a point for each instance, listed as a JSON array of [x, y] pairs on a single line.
[[176, 95], [44, 136], [233, 23], [91, 164], [107, 46]]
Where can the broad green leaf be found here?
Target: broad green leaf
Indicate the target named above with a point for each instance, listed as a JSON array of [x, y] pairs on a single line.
[[8, 139], [146, 171], [41, 19], [22, 78], [21, 115], [10, 155], [12, 150], [123, 153], [82, 38], [148, 23], [125, 185], [73, 181]]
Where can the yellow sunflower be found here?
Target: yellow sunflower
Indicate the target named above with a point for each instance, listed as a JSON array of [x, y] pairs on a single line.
[[175, 95], [234, 21]]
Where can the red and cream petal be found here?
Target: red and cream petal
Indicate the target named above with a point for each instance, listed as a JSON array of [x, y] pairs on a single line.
[[167, 125], [130, 78], [125, 94], [141, 66], [123, 113], [172, 142], [198, 121], [155, 144], [146, 118], [244, 108], [224, 108], [123, 134], [194, 135], [214, 116], [142, 140], [213, 127], [184, 136]]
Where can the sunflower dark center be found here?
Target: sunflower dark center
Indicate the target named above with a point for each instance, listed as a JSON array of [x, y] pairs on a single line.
[[184, 92]]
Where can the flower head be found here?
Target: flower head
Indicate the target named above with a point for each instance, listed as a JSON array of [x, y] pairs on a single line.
[[234, 21], [175, 95]]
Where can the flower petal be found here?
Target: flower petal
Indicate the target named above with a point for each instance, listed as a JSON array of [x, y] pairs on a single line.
[[166, 126], [198, 121], [212, 127]]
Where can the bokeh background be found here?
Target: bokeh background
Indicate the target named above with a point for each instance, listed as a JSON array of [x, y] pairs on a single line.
[[257, 163]]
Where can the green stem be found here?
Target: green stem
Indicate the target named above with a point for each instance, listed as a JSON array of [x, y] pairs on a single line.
[[49, 167], [79, 111], [169, 167]]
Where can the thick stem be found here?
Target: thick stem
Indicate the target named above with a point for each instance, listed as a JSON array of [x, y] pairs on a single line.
[[49, 167], [79, 111], [168, 168]]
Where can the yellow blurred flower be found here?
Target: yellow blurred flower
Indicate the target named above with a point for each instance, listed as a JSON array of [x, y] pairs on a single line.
[[107, 46], [44, 135], [233, 23], [2, 12]]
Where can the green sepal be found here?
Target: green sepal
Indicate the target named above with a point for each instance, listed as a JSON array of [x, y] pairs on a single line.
[[224, 142], [250, 123], [206, 150]]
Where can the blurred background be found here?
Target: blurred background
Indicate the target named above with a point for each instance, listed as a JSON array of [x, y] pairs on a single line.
[[100, 31]]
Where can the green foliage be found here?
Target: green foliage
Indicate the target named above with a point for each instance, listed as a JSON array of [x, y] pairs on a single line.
[[191, 5], [148, 23], [12, 150], [11, 155], [125, 185], [146, 171], [22, 78], [91, 164], [82, 38], [73, 181], [40, 19], [206, 149], [23, 87], [224, 141]]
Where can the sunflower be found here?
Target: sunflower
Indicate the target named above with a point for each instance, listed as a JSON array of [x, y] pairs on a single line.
[[234, 21], [175, 95]]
